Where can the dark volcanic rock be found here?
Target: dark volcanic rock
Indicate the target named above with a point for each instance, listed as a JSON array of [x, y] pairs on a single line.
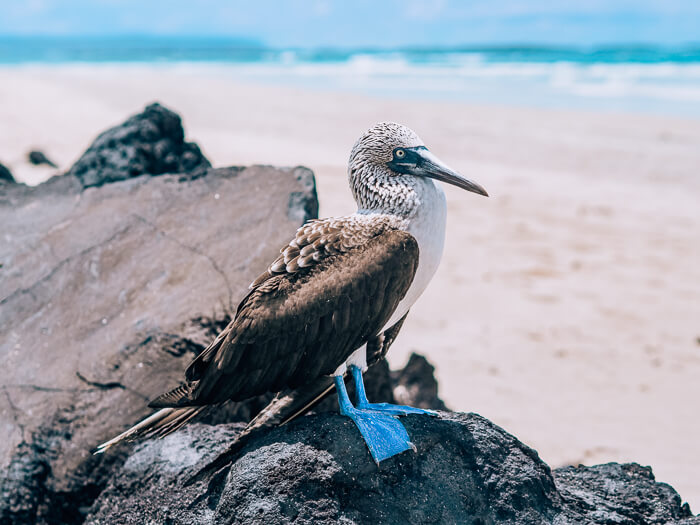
[[318, 470], [621, 494], [6, 175], [38, 158], [154, 470], [105, 296], [152, 143], [415, 384]]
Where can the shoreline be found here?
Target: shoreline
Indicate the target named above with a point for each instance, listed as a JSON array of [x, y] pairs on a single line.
[[566, 306]]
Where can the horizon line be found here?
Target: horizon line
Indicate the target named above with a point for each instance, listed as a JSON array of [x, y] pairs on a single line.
[[256, 43]]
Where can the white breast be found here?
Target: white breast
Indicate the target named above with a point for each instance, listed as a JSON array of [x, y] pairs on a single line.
[[428, 228]]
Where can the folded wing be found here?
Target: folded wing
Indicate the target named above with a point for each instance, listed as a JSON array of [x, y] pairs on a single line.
[[298, 324]]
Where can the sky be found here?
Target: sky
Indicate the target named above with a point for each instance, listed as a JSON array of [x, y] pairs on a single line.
[[367, 23]]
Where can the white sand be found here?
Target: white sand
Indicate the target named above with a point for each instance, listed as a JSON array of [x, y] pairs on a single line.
[[567, 307]]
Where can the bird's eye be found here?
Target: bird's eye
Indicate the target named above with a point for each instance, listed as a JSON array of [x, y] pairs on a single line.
[[400, 153]]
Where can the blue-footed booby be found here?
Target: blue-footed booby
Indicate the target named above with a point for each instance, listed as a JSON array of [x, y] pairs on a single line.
[[332, 301]]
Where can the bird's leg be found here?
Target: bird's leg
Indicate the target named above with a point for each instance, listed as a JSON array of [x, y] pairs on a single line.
[[384, 435], [387, 408]]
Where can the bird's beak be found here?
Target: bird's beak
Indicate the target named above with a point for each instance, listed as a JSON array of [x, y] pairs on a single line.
[[422, 163]]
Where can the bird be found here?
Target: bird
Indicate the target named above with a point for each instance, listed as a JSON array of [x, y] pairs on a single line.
[[331, 303]]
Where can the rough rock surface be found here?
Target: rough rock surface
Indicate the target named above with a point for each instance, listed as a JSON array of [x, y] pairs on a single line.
[[624, 494], [105, 295], [318, 470], [415, 385], [6, 175], [152, 143]]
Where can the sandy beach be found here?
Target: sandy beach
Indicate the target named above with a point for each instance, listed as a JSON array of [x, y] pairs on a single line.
[[567, 306]]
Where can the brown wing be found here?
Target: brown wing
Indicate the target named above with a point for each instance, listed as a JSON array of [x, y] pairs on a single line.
[[294, 327], [320, 238]]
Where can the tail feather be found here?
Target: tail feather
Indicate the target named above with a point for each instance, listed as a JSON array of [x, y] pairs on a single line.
[[158, 424], [174, 398]]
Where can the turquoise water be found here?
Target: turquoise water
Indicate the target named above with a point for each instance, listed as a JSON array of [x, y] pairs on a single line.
[[622, 78], [176, 49]]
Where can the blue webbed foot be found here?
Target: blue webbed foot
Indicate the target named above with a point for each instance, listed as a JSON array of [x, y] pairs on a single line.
[[386, 408], [384, 435], [395, 410]]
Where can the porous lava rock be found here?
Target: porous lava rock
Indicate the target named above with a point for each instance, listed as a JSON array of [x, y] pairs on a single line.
[[150, 143]]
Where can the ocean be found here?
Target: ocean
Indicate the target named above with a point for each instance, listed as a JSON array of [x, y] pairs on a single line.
[[621, 78]]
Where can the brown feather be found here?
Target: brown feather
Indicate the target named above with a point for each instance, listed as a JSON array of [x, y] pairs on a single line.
[[268, 346]]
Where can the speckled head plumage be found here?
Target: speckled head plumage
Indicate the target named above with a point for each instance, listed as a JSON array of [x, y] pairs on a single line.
[[388, 166], [374, 185], [377, 144]]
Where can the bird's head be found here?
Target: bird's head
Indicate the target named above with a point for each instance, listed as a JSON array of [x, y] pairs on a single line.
[[389, 162]]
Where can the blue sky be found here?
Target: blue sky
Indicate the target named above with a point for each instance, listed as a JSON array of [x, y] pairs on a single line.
[[372, 23]]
